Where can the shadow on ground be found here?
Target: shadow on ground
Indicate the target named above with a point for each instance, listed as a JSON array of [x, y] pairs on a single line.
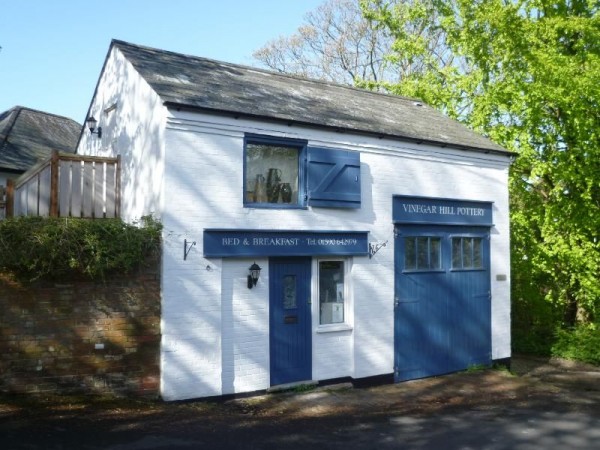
[[542, 401]]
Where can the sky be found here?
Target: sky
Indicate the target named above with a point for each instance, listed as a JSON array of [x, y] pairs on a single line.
[[53, 50]]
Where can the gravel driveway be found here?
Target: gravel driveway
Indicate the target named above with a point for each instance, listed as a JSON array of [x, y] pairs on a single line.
[[542, 404]]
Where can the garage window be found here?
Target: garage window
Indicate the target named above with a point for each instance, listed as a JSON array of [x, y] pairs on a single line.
[[422, 253], [467, 253]]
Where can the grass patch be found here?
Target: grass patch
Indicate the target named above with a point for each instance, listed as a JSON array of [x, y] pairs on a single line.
[[303, 388], [477, 368]]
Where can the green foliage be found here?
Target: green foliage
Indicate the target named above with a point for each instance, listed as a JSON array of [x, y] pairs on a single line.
[[581, 343], [534, 341], [527, 74], [54, 248]]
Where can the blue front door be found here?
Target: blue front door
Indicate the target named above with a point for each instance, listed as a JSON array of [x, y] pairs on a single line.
[[290, 324], [442, 315]]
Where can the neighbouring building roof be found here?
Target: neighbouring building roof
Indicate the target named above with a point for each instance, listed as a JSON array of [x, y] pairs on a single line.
[[28, 136], [192, 82]]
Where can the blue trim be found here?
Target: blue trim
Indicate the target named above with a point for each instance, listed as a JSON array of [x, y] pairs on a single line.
[[301, 145], [221, 243], [333, 178], [441, 211]]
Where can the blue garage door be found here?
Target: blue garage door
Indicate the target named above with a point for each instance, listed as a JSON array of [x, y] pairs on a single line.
[[442, 314]]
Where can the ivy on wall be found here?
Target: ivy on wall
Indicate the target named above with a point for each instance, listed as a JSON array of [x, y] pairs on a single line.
[[34, 248]]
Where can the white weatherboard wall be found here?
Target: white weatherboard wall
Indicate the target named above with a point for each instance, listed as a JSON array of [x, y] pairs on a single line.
[[133, 120], [216, 331]]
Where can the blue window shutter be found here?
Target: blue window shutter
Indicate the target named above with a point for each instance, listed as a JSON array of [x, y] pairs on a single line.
[[333, 178]]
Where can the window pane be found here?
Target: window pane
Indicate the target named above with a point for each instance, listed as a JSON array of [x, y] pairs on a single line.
[[289, 292], [272, 174], [456, 253], [477, 254], [410, 253], [331, 292], [422, 253], [435, 253], [467, 253]]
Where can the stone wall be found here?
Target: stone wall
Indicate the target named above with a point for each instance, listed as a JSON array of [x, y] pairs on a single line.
[[81, 336]]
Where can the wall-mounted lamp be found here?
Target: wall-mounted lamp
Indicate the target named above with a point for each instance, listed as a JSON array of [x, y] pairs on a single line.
[[91, 123], [253, 275]]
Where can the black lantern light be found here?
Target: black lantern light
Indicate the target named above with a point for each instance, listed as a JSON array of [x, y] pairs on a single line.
[[91, 123], [253, 275]]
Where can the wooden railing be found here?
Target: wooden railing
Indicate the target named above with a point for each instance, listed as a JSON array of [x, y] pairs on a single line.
[[67, 186], [2, 202]]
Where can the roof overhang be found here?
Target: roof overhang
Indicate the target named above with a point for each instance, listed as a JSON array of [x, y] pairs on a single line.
[[337, 129]]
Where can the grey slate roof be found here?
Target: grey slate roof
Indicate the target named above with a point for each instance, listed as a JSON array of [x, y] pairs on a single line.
[[192, 82], [28, 136]]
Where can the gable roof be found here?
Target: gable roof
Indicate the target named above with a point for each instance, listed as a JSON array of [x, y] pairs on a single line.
[[185, 81], [28, 136]]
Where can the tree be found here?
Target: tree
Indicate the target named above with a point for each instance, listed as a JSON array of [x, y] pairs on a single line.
[[337, 43], [527, 74]]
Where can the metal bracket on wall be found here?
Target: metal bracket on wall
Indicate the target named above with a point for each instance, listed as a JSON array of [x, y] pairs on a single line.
[[374, 248], [186, 249]]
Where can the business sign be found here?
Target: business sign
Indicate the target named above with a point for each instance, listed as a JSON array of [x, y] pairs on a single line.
[[442, 211], [231, 243]]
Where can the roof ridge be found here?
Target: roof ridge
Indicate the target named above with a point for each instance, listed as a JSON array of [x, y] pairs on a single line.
[[118, 43], [45, 113], [13, 120]]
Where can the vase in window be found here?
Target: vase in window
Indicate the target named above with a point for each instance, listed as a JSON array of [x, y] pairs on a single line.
[[260, 189], [273, 184], [286, 193]]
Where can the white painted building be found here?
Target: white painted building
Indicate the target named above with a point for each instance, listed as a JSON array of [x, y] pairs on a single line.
[[380, 225]]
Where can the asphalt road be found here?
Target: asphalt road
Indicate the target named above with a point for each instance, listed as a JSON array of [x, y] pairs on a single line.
[[546, 406], [509, 429]]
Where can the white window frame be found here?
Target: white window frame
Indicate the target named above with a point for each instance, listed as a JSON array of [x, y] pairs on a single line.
[[348, 297]]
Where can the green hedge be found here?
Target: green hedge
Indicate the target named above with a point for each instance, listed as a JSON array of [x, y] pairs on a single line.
[[53, 248], [581, 343]]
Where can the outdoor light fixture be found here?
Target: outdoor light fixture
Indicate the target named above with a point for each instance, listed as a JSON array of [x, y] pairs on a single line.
[[253, 275], [91, 123]]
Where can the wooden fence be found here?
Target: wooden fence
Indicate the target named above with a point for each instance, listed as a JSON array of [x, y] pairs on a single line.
[[2, 202], [67, 186]]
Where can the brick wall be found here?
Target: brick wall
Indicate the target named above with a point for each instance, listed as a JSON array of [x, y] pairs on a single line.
[[81, 337]]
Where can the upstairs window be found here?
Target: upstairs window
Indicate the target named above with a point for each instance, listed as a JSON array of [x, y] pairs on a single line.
[[273, 173], [280, 173]]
